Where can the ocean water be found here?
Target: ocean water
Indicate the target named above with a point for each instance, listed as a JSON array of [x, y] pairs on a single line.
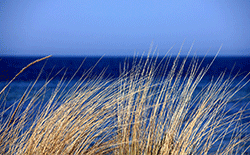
[[58, 67], [10, 66]]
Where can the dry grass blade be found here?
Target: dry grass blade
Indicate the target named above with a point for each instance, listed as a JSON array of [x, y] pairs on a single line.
[[14, 113], [38, 60]]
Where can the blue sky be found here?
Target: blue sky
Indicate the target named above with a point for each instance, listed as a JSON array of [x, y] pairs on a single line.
[[98, 27]]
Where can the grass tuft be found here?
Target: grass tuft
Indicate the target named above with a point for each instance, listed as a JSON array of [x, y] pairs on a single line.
[[136, 113]]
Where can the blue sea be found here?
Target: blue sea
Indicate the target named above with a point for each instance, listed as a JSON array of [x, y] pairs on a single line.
[[58, 67]]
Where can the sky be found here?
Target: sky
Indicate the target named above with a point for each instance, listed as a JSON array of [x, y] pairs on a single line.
[[118, 27]]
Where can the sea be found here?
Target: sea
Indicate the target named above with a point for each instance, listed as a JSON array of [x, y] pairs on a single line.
[[111, 68]]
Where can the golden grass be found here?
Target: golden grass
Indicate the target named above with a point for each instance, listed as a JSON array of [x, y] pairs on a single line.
[[134, 114]]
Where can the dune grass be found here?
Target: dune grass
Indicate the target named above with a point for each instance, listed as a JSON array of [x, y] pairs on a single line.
[[133, 114]]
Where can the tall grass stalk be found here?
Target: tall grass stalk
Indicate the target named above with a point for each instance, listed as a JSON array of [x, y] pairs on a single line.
[[136, 113]]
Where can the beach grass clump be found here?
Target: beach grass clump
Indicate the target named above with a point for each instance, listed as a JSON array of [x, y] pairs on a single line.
[[137, 113]]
